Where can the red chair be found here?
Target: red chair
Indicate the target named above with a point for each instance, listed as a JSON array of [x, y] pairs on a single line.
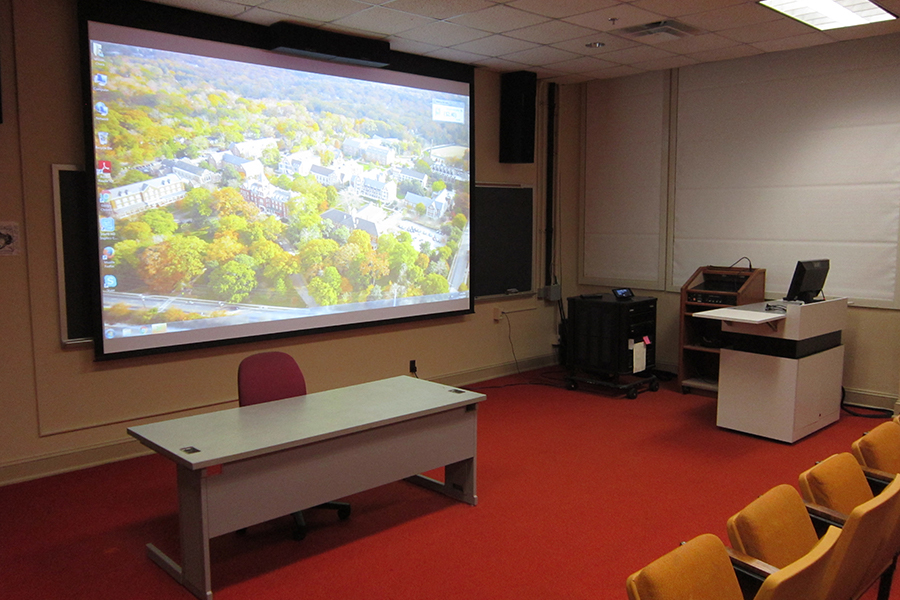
[[270, 376]]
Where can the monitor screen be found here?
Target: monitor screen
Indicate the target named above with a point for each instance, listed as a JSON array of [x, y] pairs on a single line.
[[808, 280], [242, 192]]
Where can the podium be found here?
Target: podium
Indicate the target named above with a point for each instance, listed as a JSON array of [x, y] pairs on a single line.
[[780, 375]]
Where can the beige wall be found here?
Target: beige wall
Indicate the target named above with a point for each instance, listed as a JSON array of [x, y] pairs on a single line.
[[63, 410]]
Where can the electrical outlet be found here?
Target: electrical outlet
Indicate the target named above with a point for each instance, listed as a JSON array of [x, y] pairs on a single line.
[[412, 366], [498, 314]]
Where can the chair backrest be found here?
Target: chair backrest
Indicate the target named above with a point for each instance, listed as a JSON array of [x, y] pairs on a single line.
[[269, 376], [699, 569], [880, 448], [838, 483], [775, 528], [867, 545], [809, 577]]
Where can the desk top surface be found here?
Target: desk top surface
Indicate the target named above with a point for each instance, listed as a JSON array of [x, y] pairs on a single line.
[[238, 433], [748, 313]]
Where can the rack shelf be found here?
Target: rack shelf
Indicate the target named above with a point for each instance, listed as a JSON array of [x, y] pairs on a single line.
[[700, 340]]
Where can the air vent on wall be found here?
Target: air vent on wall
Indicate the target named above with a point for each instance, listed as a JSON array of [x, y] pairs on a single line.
[[659, 31]]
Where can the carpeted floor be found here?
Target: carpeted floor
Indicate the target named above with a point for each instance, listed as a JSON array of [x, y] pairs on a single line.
[[577, 489]]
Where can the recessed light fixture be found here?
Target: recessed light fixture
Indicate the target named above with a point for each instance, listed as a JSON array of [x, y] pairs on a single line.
[[830, 14], [594, 45]]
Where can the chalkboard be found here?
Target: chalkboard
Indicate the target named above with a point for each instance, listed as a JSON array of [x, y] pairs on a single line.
[[502, 236]]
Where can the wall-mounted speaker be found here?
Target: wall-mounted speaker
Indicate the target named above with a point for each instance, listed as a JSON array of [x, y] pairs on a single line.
[[518, 96]]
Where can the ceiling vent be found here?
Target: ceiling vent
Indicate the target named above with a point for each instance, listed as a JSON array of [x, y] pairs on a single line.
[[660, 31]]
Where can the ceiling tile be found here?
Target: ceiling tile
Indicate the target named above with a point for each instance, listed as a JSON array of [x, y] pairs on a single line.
[[569, 79], [726, 53], [696, 43], [456, 55], [383, 20], [442, 33], [617, 17], [502, 65], [771, 30], [495, 45], [583, 64], [315, 11], [611, 43], [499, 19], [673, 62], [636, 54], [437, 9], [620, 71], [677, 8], [792, 43], [558, 9], [852, 33], [549, 32], [542, 55], [731, 17]]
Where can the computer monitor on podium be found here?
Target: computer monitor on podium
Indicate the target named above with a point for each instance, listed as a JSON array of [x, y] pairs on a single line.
[[808, 280]]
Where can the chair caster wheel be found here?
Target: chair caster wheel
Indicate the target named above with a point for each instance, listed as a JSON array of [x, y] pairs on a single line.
[[343, 513]]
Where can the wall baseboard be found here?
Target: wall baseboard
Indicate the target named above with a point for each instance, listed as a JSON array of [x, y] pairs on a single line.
[[501, 370], [74, 460], [872, 400]]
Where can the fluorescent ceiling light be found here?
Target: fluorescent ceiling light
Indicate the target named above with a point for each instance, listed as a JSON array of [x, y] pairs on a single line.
[[830, 14]]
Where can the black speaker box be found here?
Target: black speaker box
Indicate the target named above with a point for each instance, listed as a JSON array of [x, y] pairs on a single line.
[[518, 96]]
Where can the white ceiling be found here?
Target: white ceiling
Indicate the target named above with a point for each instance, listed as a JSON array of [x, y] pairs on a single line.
[[550, 36]]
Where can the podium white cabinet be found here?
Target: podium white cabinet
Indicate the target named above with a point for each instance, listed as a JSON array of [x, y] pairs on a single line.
[[782, 373]]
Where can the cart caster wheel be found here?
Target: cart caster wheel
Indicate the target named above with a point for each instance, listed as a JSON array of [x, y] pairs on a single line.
[[654, 386], [632, 393], [571, 384]]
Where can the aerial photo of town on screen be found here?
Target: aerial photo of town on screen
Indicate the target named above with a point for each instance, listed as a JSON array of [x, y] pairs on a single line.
[[236, 193]]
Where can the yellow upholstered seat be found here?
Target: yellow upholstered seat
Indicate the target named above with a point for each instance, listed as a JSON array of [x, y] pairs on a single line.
[[701, 570], [880, 448], [774, 528], [838, 483]]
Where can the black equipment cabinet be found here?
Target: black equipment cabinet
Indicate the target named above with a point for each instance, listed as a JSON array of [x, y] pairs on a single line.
[[604, 335]]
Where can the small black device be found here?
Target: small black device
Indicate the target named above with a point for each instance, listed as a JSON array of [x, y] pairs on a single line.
[[623, 294]]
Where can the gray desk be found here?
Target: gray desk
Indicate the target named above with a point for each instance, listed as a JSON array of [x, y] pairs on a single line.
[[246, 465]]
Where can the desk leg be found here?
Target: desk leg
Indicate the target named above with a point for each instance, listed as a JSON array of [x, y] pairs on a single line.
[[459, 481], [193, 524], [194, 573]]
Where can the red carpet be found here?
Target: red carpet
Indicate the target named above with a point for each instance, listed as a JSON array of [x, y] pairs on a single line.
[[577, 489]]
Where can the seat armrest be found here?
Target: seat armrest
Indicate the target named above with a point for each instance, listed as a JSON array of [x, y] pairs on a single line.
[[750, 572], [749, 565], [822, 517], [878, 480]]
